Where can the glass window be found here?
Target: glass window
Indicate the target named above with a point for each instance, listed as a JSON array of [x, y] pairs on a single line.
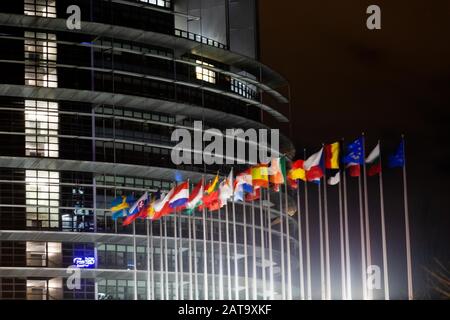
[[205, 74]]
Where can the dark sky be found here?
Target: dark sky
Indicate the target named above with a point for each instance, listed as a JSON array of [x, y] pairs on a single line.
[[346, 79]]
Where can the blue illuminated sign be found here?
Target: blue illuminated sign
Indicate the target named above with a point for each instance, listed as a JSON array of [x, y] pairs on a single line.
[[86, 262]]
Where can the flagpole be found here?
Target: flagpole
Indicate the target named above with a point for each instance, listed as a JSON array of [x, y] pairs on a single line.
[[205, 261], [161, 262], [175, 241], [194, 231], [308, 248], [300, 245], [269, 222], [191, 291], [363, 242], [347, 237], [254, 273], [180, 241], [135, 261], [407, 229], [322, 258], [227, 239], [283, 279], [288, 245], [244, 209], [148, 259], [383, 232], [236, 271], [221, 288], [263, 255], [152, 263], [213, 272], [366, 209], [327, 238], [166, 258], [342, 241]]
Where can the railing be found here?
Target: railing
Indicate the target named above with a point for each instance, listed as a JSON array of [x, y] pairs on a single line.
[[198, 38]]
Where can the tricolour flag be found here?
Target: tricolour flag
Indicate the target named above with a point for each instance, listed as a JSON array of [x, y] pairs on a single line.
[[245, 180], [332, 156], [277, 172], [180, 196], [138, 209], [373, 160], [313, 166], [260, 176], [195, 198]]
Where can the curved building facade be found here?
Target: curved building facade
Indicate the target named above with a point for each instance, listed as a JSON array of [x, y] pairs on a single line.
[[87, 115]]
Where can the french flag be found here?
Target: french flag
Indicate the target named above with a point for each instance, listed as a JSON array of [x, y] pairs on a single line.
[[180, 196]]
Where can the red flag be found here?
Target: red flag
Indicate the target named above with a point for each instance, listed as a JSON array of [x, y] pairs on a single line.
[[374, 169], [354, 170], [255, 195]]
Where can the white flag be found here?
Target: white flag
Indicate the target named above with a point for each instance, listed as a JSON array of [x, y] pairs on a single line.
[[374, 154], [332, 181]]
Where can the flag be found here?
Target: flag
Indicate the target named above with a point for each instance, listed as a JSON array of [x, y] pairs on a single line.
[[245, 180], [162, 207], [313, 166], [226, 189], [180, 196], [374, 162], [211, 196], [297, 171], [149, 211], [354, 170], [260, 176], [138, 209], [255, 195], [397, 159], [211, 187], [332, 156], [334, 180], [120, 206], [195, 198], [354, 152], [292, 183], [277, 172]]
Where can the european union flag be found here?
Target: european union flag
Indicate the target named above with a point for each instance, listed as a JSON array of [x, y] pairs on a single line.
[[354, 152], [397, 160]]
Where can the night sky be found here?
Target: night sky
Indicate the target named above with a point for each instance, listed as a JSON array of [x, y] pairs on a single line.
[[346, 79]]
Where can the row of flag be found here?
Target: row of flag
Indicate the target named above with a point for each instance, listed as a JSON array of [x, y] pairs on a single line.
[[246, 185]]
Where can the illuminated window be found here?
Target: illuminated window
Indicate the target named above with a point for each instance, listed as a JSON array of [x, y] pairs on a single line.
[[243, 89], [41, 129], [42, 198], [40, 8], [43, 254], [205, 74], [159, 3], [40, 59]]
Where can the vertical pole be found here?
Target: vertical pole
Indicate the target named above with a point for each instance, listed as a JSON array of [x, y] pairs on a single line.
[[347, 238], [135, 261], [363, 242], [205, 261], [161, 261], [322, 258], [300, 246], [254, 272], [244, 211], [327, 239], [407, 229], [342, 242], [175, 248], [308, 247], [383, 232], [152, 263], [236, 271], [149, 297], [166, 261], [367, 222], [180, 241], [213, 271], [221, 287], [263, 249], [269, 223], [191, 282], [283, 279], [288, 245], [227, 239], [194, 231]]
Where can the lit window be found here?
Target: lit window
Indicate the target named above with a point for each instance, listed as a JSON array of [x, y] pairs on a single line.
[[40, 8], [42, 198], [40, 59], [205, 74], [243, 89], [41, 129], [159, 3]]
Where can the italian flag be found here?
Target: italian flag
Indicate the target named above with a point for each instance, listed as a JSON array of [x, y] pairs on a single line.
[[373, 160]]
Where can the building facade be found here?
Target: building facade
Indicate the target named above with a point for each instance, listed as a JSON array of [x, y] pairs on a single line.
[[87, 115]]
